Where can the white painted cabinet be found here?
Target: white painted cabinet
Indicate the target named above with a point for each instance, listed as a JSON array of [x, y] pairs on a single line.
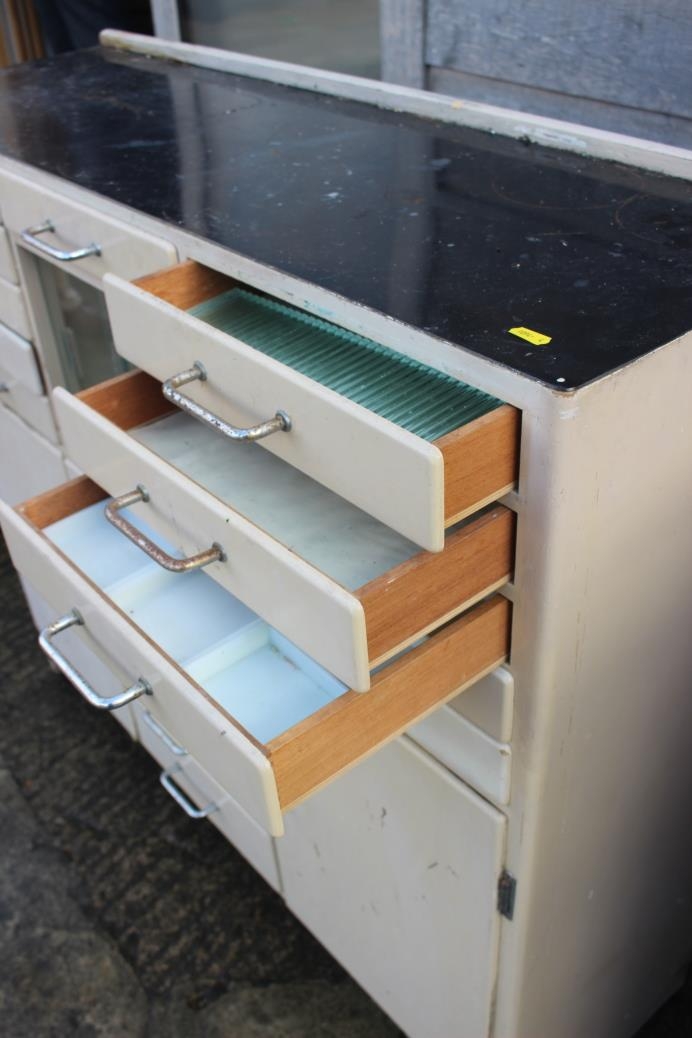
[[565, 767]]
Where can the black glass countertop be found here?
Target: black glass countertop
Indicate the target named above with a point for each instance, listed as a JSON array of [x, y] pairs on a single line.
[[460, 233]]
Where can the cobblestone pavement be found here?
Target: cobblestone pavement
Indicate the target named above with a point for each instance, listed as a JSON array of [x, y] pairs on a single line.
[[119, 917]]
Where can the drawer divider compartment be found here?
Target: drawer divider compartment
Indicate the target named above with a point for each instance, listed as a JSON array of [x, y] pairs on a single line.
[[267, 723]]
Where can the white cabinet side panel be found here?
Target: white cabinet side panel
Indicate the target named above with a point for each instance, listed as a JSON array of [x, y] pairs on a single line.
[[598, 832]]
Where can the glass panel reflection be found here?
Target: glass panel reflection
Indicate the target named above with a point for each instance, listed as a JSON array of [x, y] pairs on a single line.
[[79, 321], [342, 37]]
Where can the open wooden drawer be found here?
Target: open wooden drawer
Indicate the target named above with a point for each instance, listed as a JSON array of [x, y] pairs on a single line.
[[264, 720], [281, 362], [346, 589]]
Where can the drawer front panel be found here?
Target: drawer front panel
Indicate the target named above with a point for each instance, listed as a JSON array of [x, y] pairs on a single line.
[[467, 751], [385, 470], [21, 387], [322, 618], [124, 250], [35, 410], [490, 704], [13, 309], [29, 464], [238, 828], [8, 270], [83, 652], [18, 361], [230, 758]]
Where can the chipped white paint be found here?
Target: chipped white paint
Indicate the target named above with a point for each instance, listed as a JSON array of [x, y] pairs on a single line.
[[551, 132]]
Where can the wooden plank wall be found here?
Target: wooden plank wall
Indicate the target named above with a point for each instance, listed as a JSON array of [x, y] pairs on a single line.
[[20, 33], [401, 42], [624, 65]]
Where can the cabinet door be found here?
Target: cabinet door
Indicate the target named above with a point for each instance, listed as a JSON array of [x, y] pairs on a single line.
[[394, 868]]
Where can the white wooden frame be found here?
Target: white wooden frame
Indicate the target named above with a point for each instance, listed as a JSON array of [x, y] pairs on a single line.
[[553, 133]]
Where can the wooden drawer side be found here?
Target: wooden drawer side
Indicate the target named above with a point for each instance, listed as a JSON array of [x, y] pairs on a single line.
[[481, 462], [432, 587], [354, 726]]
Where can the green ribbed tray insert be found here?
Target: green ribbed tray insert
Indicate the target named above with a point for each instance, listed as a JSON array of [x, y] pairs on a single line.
[[404, 391]]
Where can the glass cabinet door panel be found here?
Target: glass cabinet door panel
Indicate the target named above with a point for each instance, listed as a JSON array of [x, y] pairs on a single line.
[[78, 319]]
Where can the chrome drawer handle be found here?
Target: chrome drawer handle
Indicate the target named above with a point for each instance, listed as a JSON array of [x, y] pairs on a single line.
[[151, 722], [166, 780], [169, 562], [279, 423], [45, 640], [29, 235]]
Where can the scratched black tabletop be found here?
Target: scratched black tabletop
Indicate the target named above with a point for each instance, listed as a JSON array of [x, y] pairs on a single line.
[[461, 233]]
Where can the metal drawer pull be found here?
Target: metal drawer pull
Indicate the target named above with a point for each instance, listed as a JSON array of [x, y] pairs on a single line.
[[30, 237], [166, 780], [151, 722], [45, 640], [169, 562], [279, 423]]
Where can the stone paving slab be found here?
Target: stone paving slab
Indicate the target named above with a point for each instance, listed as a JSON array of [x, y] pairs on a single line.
[[60, 976]]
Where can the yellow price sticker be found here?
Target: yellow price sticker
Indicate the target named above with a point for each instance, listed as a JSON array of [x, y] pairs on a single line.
[[535, 338]]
